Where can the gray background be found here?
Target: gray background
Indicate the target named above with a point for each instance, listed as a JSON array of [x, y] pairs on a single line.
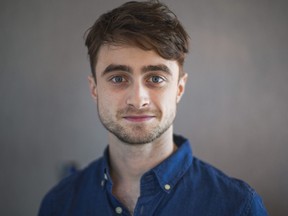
[[235, 111]]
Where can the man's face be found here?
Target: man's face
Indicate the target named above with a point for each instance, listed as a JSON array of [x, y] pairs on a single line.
[[136, 92]]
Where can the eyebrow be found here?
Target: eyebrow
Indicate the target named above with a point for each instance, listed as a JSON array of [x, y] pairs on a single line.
[[159, 67], [125, 68], [113, 67]]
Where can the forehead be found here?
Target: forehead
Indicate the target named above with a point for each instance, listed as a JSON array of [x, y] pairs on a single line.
[[132, 57]]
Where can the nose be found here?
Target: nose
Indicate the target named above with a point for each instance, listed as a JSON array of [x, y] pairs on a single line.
[[138, 96]]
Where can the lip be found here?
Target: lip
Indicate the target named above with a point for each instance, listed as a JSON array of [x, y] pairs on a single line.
[[140, 118]]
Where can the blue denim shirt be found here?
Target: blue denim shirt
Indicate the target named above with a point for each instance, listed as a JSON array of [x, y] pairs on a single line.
[[181, 185]]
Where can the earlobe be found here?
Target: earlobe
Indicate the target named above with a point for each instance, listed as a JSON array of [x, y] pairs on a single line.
[[92, 86], [181, 87]]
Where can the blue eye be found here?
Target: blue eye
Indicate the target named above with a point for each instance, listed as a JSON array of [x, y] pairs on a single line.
[[118, 79], [156, 79]]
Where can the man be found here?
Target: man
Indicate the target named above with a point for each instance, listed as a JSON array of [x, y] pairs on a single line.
[[137, 53]]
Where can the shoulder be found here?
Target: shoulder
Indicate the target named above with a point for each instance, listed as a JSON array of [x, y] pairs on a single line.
[[87, 176], [221, 191], [70, 187]]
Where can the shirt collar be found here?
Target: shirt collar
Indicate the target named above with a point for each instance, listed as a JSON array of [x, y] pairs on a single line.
[[174, 167], [167, 172]]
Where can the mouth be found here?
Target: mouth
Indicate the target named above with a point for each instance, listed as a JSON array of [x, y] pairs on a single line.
[[139, 118]]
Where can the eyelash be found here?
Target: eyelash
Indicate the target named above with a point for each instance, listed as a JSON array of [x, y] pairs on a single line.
[[152, 80], [157, 77], [115, 81]]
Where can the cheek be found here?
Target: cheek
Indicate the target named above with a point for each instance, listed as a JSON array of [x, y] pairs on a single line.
[[109, 100], [104, 100], [167, 100]]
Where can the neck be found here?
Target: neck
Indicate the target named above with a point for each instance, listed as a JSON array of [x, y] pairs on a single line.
[[129, 162]]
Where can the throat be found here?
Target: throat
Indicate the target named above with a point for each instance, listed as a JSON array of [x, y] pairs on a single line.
[[127, 194]]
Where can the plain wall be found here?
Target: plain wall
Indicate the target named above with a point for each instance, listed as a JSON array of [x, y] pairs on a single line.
[[234, 111]]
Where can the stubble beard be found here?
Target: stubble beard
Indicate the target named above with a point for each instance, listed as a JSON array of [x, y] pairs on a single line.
[[138, 134]]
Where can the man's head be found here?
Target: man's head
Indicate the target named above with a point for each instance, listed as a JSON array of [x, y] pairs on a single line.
[[149, 25], [137, 53]]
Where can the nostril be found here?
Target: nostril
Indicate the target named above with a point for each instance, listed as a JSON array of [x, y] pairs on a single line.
[[138, 97], [139, 102]]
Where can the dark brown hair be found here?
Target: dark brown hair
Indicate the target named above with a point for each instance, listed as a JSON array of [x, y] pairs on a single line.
[[150, 25]]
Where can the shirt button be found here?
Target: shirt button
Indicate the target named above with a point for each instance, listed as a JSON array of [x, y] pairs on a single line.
[[167, 187], [118, 210], [105, 176]]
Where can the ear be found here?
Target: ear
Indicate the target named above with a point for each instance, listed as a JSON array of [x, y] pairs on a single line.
[[93, 87], [181, 87]]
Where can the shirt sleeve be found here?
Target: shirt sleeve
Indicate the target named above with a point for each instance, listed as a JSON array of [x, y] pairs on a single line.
[[257, 207], [46, 206]]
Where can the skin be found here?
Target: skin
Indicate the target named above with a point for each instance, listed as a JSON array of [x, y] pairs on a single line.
[[137, 92]]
